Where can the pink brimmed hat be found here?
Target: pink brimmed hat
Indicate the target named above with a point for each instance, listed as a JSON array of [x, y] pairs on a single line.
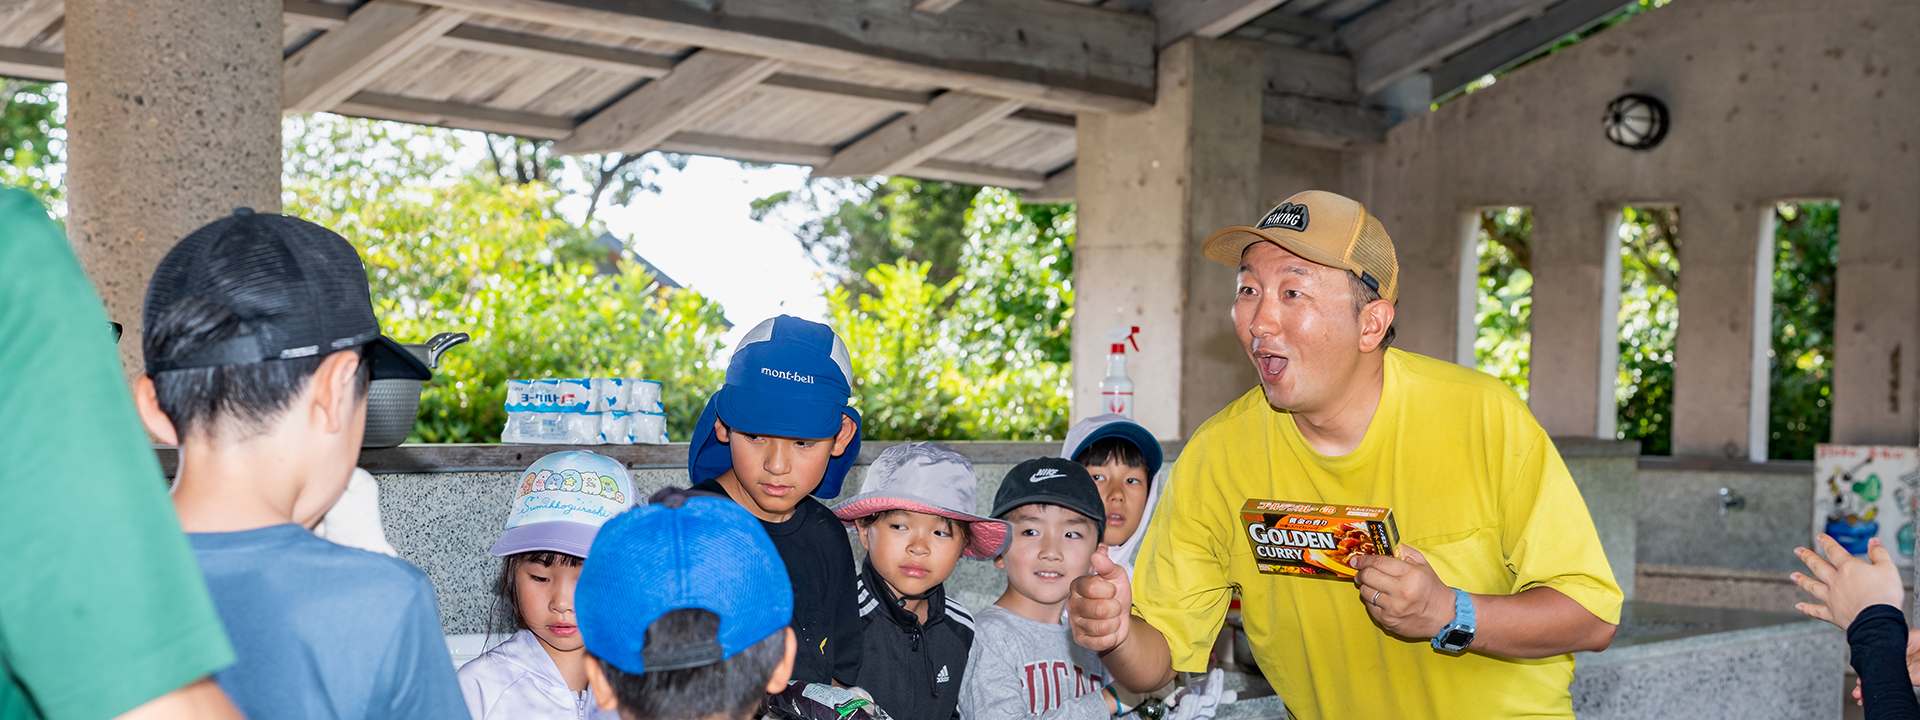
[[929, 478]]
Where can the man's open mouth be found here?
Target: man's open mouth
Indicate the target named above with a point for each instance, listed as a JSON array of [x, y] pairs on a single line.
[[1271, 365]]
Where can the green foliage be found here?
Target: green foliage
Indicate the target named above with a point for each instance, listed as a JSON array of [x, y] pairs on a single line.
[[968, 358], [858, 225], [1806, 256], [450, 249], [1649, 321], [32, 138], [1502, 347]]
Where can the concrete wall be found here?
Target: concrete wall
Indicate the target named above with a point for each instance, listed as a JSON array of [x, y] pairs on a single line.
[[1152, 186], [444, 522], [1771, 100]]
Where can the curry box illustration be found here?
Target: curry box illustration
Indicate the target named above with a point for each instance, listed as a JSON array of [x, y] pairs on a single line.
[[1296, 538]]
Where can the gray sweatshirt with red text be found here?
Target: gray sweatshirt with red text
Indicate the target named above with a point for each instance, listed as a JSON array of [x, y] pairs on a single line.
[[1021, 668]]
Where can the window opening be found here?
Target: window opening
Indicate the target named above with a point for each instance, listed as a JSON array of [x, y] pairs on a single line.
[[1649, 246], [1806, 255], [1503, 341]]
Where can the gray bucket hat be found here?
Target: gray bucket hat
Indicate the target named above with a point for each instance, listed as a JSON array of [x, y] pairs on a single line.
[[929, 478]]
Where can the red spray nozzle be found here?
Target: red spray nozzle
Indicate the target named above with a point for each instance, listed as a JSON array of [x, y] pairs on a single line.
[[1122, 336]]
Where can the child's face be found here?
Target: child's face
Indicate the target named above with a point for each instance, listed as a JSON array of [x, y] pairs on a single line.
[[1050, 546], [546, 602], [1124, 489], [913, 551], [778, 472]]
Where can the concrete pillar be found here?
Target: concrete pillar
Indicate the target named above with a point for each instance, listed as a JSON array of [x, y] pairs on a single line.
[[1713, 353], [1571, 325], [1151, 187], [1876, 332], [173, 120]]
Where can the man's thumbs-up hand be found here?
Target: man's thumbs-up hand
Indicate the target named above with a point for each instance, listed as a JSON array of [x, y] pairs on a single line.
[[1099, 608]]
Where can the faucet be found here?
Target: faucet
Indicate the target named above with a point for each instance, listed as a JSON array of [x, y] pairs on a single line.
[[1731, 501]]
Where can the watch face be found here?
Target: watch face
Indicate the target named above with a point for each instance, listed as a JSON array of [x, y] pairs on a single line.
[[1457, 637]]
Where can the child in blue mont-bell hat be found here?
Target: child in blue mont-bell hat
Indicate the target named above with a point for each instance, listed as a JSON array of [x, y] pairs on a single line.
[[777, 435], [540, 672]]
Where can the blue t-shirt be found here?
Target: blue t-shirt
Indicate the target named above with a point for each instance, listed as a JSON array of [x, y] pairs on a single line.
[[326, 631]]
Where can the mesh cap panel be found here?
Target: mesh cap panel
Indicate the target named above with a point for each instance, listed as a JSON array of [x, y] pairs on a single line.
[[299, 288], [1373, 253]]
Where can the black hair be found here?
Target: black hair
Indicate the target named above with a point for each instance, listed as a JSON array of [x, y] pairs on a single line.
[[731, 688], [504, 615], [960, 528], [1110, 450], [1363, 295], [239, 398]]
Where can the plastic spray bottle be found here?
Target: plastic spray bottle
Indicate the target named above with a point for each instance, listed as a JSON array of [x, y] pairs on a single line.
[[1116, 389]]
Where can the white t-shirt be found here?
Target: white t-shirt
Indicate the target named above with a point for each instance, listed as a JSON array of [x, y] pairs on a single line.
[[518, 680]]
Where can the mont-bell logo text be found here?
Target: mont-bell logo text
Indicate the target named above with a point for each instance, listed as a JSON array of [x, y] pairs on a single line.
[[1288, 216], [787, 375]]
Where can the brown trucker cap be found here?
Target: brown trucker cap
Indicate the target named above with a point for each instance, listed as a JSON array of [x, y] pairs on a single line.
[[1321, 227]]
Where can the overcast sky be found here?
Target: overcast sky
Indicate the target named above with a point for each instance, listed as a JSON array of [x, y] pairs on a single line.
[[697, 231]]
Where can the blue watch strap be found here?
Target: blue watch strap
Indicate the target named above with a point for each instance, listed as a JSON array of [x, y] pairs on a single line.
[[1462, 621]]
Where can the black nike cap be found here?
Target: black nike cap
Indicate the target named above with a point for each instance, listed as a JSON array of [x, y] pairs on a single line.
[[300, 289], [1053, 481]]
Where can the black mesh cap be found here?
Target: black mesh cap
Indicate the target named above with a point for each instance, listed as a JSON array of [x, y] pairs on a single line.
[[299, 287]]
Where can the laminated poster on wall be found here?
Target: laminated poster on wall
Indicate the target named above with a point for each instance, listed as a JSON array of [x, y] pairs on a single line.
[[1861, 492]]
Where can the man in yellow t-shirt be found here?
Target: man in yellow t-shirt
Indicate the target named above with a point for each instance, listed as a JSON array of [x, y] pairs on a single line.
[[1499, 577]]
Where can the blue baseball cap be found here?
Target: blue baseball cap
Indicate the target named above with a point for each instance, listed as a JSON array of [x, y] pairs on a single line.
[[1100, 427], [680, 550], [788, 378]]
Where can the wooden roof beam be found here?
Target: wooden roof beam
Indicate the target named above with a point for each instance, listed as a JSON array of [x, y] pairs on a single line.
[[1052, 55], [974, 174], [32, 64], [376, 37], [1058, 188], [659, 109], [1178, 19], [1521, 41], [21, 21], [935, 6], [1309, 99], [914, 139], [1404, 37]]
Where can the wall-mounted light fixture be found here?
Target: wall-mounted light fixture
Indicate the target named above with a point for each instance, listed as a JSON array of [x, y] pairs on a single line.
[[1636, 122]]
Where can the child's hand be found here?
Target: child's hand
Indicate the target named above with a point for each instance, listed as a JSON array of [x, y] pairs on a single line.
[[1848, 584], [1099, 609]]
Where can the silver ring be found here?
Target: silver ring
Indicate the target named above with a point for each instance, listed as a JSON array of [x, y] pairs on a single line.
[[1376, 599]]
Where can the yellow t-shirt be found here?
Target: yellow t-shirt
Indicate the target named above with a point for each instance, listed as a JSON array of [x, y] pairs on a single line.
[[1474, 484]]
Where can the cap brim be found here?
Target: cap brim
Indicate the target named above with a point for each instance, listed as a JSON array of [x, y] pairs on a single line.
[[571, 538], [393, 361], [986, 536], [1149, 445], [759, 413], [1098, 515], [1227, 246]]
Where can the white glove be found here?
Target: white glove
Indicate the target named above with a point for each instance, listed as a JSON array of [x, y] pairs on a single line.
[[1200, 702]]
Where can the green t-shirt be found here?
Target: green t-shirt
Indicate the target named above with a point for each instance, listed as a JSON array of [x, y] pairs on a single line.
[[103, 607]]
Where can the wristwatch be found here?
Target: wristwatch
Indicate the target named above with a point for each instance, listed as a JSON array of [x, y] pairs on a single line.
[[1457, 635]]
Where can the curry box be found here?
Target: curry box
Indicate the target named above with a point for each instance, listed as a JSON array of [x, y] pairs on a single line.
[[1297, 538]]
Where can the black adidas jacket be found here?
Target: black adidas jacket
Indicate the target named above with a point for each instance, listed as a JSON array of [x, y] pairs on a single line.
[[912, 670]]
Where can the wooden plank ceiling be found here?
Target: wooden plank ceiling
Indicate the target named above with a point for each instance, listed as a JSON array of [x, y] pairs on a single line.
[[978, 91]]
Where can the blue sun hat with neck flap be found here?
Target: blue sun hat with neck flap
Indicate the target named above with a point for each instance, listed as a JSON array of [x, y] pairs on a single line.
[[788, 378]]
